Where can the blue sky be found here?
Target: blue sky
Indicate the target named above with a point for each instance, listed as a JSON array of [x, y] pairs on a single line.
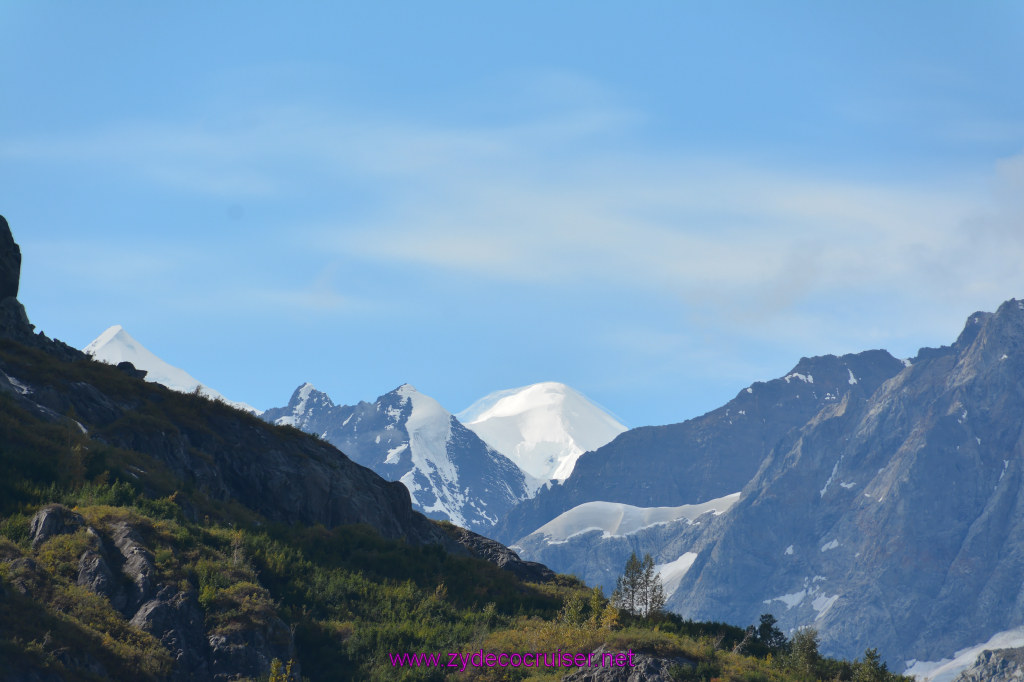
[[657, 203]]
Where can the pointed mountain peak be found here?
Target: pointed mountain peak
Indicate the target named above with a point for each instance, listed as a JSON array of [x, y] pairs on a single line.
[[307, 392], [115, 345], [10, 262], [108, 336], [306, 396]]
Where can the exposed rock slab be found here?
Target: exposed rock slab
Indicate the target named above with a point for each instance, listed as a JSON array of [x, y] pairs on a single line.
[[52, 520], [999, 665]]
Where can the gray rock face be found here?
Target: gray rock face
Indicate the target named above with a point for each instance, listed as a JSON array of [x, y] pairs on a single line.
[[710, 456], [137, 565], [250, 651], [118, 566], [176, 619], [895, 521], [1000, 665], [52, 520], [96, 575], [503, 557], [451, 473]]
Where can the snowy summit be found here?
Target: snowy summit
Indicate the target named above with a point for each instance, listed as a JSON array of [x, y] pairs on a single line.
[[115, 345], [543, 428]]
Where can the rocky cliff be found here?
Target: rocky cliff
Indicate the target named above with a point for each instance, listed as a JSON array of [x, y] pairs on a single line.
[[898, 519]]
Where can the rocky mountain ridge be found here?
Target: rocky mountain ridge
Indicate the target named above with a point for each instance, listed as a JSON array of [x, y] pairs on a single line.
[[408, 437], [708, 456]]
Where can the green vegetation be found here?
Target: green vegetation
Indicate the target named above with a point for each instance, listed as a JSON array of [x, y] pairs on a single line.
[[346, 596]]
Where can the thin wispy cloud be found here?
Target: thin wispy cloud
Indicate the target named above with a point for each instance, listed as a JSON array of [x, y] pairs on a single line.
[[523, 202]]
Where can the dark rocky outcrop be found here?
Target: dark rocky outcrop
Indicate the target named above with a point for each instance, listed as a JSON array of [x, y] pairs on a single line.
[[250, 650], [14, 322], [10, 262], [130, 369], [502, 557], [176, 619], [117, 565], [999, 665]]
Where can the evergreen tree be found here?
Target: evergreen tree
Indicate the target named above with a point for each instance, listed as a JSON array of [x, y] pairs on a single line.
[[871, 669], [639, 590], [769, 635], [629, 586], [653, 592]]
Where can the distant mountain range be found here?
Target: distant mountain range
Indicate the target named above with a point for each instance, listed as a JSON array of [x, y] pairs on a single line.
[[407, 436], [469, 476], [878, 500]]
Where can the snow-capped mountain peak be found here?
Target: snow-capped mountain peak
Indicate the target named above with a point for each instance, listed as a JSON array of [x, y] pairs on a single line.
[[543, 428], [115, 345], [407, 436], [305, 401]]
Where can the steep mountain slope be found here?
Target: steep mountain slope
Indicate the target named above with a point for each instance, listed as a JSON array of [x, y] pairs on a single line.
[[898, 519], [709, 456], [115, 346], [543, 428], [406, 436]]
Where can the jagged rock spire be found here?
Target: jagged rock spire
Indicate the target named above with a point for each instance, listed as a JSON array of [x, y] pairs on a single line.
[[10, 262], [13, 320]]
